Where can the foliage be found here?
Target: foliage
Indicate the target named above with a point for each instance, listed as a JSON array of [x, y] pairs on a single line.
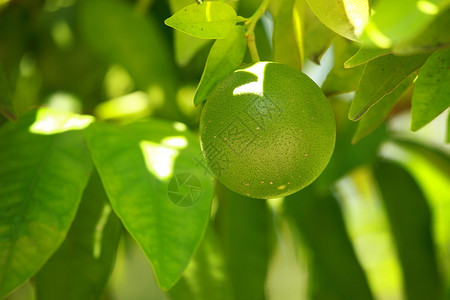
[[101, 169]]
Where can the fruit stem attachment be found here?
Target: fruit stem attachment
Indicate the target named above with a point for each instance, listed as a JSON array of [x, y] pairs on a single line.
[[250, 33]]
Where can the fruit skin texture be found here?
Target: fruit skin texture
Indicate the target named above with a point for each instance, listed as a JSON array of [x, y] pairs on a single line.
[[267, 131]]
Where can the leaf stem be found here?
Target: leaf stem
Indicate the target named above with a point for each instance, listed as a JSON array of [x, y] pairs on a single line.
[[250, 33]]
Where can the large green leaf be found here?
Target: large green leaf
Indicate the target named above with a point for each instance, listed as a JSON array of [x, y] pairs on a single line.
[[210, 20], [380, 77], [156, 187], [396, 22], [81, 267], [244, 225], [287, 35], [224, 56], [335, 272], [432, 89], [379, 112], [42, 176], [341, 80], [410, 222], [6, 97], [206, 276], [346, 18]]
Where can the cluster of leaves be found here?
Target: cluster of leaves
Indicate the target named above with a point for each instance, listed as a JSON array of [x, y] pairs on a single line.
[[72, 184]]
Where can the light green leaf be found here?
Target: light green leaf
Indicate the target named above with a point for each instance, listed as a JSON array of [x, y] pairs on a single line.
[[6, 97], [432, 91], [157, 189], [317, 38], [206, 276], [44, 169], [244, 227], [288, 35], [224, 56], [341, 80], [81, 267], [448, 129], [364, 55], [410, 221], [380, 77], [396, 22], [186, 46], [379, 112], [346, 18], [435, 36], [334, 270], [210, 20]]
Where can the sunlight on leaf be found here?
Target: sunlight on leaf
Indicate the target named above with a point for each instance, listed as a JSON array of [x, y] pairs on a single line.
[[428, 7], [51, 122], [99, 228], [131, 106], [159, 159]]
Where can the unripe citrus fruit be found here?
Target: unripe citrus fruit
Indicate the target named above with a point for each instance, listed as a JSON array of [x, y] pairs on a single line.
[[267, 130]]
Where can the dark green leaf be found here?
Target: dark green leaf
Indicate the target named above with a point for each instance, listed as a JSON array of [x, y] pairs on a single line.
[[364, 55], [380, 77], [81, 267], [244, 225], [410, 222], [379, 112], [287, 35], [6, 97], [42, 176], [210, 20], [157, 189], [347, 18], [341, 80], [432, 90], [317, 38], [399, 21], [225, 56], [206, 276], [335, 272], [436, 35]]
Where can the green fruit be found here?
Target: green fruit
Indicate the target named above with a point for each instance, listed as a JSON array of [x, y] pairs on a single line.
[[267, 131]]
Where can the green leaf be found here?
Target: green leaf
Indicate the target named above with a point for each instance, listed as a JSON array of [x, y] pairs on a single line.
[[225, 56], [157, 189], [380, 77], [45, 168], [81, 267], [432, 89], [379, 112], [244, 225], [6, 98], [341, 80], [206, 276], [410, 222], [364, 55], [186, 46], [335, 272], [396, 22], [210, 20], [287, 35], [317, 38], [346, 18], [448, 129], [435, 36]]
